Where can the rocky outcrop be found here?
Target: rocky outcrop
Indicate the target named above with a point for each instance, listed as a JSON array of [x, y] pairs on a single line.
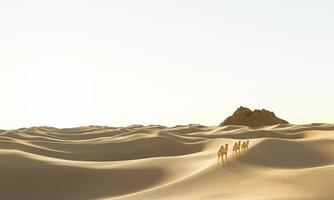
[[247, 117]]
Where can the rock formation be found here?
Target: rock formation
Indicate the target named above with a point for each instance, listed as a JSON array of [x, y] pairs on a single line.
[[247, 117]]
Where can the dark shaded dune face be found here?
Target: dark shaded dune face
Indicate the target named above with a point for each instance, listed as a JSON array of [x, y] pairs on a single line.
[[254, 134], [23, 178], [268, 134], [76, 130], [327, 127], [316, 124], [155, 126], [231, 128], [135, 126], [86, 129], [185, 130], [84, 135], [282, 126], [264, 134], [107, 151], [182, 138], [290, 154], [197, 125]]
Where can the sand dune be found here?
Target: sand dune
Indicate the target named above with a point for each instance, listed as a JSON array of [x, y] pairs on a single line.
[[157, 162]]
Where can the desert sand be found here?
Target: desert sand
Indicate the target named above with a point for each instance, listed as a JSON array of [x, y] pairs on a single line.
[[157, 162]]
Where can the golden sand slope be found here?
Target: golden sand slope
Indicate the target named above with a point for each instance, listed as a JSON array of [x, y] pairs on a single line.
[[156, 162]]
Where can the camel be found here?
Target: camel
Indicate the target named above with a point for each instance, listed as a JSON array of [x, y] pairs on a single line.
[[222, 151], [244, 146], [239, 146], [236, 147]]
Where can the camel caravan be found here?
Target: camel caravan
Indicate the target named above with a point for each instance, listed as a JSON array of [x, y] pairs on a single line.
[[237, 148]]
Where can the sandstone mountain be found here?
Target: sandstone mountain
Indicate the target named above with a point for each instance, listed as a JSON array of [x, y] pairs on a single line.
[[247, 117]]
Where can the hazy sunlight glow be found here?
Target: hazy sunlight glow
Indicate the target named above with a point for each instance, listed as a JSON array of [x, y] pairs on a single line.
[[57, 92]]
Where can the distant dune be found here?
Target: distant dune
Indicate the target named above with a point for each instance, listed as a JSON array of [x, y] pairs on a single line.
[[247, 117], [156, 162]]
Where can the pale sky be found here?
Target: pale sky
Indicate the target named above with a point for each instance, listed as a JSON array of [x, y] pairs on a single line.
[[68, 63]]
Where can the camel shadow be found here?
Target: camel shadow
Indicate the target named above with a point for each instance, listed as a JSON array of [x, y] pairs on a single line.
[[231, 166]]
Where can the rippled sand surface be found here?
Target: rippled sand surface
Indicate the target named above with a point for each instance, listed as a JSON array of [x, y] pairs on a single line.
[[157, 162]]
